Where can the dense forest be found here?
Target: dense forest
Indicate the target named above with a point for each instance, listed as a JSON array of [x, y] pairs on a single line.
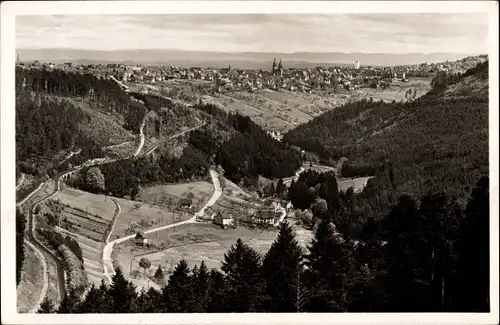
[[106, 92], [248, 152], [349, 211], [427, 257], [123, 178], [20, 227], [431, 144], [50, 121]]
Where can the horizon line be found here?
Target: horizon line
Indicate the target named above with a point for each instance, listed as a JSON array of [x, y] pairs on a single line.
[[243, 52]]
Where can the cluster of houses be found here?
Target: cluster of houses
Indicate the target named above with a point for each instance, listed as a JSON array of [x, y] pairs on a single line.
[[269, 215], [277, 77]]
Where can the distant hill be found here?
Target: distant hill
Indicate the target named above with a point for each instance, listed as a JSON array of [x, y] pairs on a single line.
[[439, 142], [248, 60]]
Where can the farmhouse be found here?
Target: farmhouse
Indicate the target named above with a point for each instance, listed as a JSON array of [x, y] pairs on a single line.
[[140, 238], [265, 217], [208, 214], [224, 220]]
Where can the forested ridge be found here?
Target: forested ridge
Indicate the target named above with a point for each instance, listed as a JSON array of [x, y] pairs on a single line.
[[232, 141], [427, 257], [248, 151], [51, 122], [428, 145], [55, 116]]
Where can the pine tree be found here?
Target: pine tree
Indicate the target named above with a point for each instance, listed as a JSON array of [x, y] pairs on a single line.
[[95, 301], [177, 295], [69, 303], [121, 293], [46, 307], [405, 281], [241, 267], [216, 293], [440, 219], [280, 268], [159, 273], [473, 253], [328, 271], [201, 281]]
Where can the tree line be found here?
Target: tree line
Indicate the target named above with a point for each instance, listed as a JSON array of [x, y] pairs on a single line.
[[427, 257], [123, 178], [20, 235], [248, 152]]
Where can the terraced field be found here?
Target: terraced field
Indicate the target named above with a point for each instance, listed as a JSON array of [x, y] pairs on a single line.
[[92, 258], [86, 225]]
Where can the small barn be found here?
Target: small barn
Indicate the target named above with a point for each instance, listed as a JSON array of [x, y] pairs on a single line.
[[141, 238]]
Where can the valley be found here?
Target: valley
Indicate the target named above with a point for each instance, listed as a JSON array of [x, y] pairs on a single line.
[[143, 181]]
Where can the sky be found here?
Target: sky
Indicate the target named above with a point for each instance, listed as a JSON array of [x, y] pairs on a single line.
[[365, 33]]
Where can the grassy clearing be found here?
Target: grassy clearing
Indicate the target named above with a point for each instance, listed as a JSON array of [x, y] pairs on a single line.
[[194, 243], [170, 196], [30, 287], [138, 215], [92, 203], [358, 184]]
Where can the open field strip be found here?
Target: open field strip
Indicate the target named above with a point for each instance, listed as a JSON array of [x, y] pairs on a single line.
[[195, 243], [169, 196], [358, 184], [92, 203], [91, 251], [33, 286]]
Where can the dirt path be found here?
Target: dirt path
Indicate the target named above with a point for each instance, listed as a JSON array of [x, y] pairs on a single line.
[[141, 135], [108, 249]]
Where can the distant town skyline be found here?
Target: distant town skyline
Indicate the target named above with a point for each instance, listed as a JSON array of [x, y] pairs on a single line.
[[281, 33]]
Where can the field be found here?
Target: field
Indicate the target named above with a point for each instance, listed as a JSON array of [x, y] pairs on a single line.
[[92, 259], [282, 110], [138, 215], [170, 196], [194, 243], [30, 286], [92, 203], [358, 184]]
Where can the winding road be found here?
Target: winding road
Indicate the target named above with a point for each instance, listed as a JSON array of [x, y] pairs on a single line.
[[108, 249], [20, 182], [41, 248]]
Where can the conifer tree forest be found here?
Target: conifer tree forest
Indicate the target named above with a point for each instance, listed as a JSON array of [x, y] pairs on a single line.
[[414, 239], [426, 256]]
